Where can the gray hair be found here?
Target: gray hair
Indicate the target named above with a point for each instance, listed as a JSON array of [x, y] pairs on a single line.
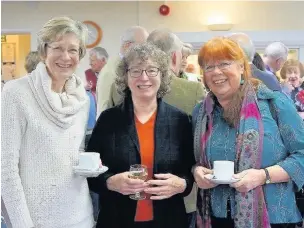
[[58, 27], [100, 53], [165, 40], [187, 49], [129, 35], [143, 52], [31, 61], [245, 44], [276, 50]]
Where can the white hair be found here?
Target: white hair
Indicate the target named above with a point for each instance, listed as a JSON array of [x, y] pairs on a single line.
[[129, 35], [187, 49], [245, 44], [100, 53], [276, 50], [165, 40]]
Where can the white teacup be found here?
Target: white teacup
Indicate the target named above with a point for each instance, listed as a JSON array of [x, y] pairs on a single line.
[[89, 160], [223, 170]]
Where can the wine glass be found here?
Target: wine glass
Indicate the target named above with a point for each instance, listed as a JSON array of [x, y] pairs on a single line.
[[138, 172]]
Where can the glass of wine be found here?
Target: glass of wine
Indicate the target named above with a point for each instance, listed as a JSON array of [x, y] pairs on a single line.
[[138, 172]]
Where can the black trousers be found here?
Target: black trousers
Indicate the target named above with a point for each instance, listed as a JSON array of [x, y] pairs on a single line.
[[229, 223]]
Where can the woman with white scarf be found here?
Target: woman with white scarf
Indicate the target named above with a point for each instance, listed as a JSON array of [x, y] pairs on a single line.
[[43, 126]]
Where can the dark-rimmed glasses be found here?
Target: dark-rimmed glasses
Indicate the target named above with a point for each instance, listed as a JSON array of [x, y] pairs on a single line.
[[150, 72]]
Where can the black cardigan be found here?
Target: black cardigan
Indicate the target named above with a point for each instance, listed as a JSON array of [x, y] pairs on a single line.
[[115, 138]]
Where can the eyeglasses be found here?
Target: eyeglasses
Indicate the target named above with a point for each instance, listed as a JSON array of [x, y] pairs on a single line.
[[58, 50], [150, 72], [221, 66]]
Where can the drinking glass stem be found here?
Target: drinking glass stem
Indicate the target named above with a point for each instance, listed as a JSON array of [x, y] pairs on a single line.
[[137, 194]]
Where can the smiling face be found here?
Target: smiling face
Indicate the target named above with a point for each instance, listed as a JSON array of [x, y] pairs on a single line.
[[223, 77], [62, 57], [144, 84], [292, 72], [224, 65], [293, 76]]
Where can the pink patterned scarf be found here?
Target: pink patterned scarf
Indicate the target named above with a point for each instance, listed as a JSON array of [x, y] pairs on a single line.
[[250, 207]]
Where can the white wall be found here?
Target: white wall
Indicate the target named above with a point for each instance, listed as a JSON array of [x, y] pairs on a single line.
[[186, 18]]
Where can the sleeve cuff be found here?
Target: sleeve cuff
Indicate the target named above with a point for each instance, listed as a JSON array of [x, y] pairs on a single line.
[[99, 184], [189, 185], [294, 171]]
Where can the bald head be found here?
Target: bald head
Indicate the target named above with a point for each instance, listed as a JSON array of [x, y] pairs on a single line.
[[245, 43], [133, 35]]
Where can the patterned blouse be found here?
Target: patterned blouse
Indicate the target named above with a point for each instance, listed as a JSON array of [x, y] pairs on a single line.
[[283, 145], [297, 95]]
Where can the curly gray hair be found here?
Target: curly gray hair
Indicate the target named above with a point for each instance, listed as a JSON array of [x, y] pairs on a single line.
[[143, 52]]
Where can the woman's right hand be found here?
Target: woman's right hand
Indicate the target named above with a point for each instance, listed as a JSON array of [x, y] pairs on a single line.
[[202, 182], [123, 184]]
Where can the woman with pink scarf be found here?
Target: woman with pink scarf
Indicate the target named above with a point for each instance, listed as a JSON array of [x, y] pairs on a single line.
[[258, 129]]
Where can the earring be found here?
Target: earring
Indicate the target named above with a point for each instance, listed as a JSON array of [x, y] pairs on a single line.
[[242, 81]]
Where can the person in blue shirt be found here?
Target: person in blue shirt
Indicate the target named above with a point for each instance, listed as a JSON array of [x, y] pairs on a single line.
[[92, 115], [242, 120], [90, 126]]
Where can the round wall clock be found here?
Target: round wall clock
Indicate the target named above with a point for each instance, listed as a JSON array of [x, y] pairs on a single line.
[[95, 34]]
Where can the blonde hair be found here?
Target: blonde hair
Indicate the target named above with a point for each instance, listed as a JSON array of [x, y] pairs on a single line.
[[57, 27], [31, 61]]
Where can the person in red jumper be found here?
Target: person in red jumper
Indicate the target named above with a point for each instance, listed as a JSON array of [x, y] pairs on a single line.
[[98, 59]]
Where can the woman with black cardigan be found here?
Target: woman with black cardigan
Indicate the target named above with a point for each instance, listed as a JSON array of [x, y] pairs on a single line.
[[143, 130]]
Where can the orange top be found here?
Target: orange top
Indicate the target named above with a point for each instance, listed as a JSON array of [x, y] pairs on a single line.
[[145, 132]]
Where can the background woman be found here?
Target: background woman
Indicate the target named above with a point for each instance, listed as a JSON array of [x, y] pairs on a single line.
[[292, 73]]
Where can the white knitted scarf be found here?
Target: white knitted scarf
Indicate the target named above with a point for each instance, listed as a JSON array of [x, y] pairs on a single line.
[[59, 108]]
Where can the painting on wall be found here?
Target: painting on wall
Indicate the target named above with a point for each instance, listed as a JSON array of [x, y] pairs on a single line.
[[8, 60], [8, 52]]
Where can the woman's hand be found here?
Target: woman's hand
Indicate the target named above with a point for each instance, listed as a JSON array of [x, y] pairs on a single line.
[[202, 182], [249, 179], [123, 184], [165, 186]]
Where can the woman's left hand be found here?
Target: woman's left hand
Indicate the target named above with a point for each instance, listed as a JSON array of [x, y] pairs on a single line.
[[165, 186], [249, 179]]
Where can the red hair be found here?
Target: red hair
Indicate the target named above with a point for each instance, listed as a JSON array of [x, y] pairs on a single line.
[[222, 48]]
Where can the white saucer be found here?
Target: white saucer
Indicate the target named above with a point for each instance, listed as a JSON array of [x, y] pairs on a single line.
[[220, 181], [90, 173]]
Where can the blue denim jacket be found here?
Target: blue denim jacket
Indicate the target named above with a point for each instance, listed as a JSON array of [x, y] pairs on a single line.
[[283, 145]]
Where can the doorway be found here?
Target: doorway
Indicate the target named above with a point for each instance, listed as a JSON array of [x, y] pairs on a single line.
[[14, 49]]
